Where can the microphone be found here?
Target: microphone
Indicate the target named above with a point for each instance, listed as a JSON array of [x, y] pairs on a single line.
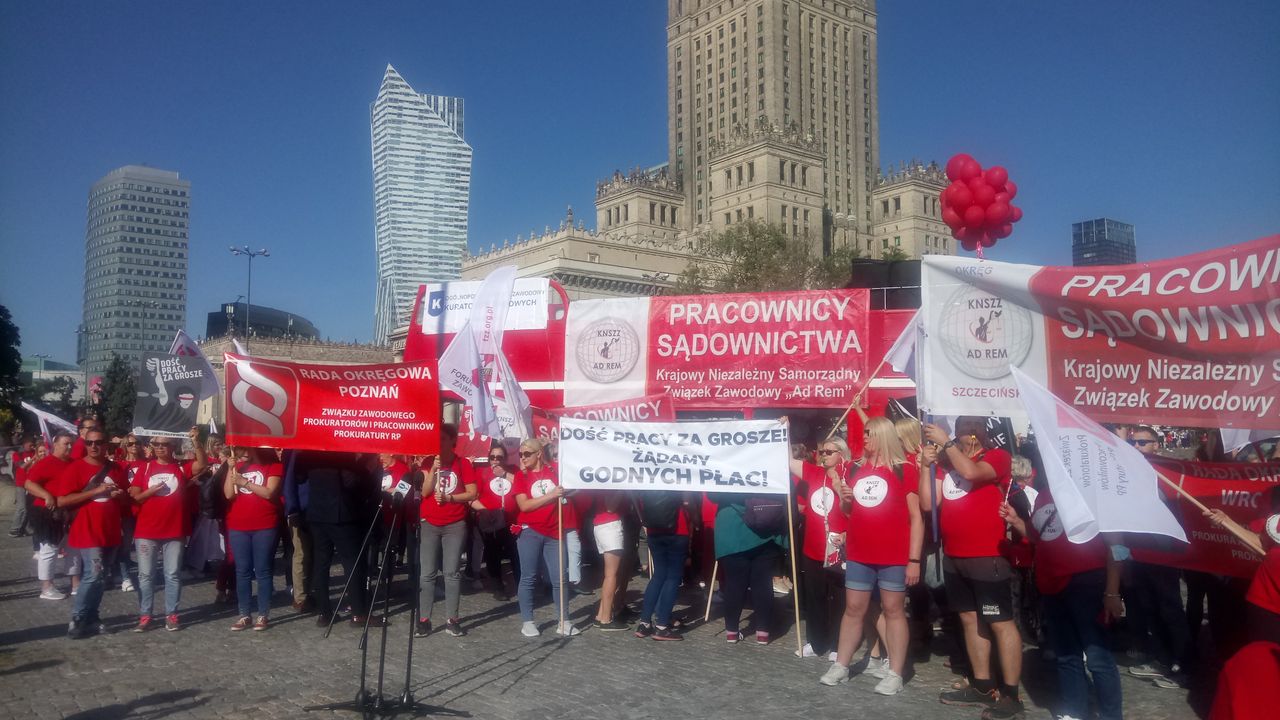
[[397, 492]]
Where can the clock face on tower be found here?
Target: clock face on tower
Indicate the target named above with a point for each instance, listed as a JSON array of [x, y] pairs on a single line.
[[607, 350]]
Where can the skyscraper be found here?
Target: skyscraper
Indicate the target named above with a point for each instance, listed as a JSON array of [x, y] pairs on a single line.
[[421, 188], [1102, 242], [777, 83], [135, 265]]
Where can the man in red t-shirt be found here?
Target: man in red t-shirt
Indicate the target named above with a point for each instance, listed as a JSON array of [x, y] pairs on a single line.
[[50, 533], [159, 490], [23, 459], [95, 486], [975, 476]]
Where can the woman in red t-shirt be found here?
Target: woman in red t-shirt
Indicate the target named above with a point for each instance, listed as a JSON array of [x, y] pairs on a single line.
[[537, 489], [253, 488], [495, 507], [159, 489], [881, 549], [824, 527], [446, 490]]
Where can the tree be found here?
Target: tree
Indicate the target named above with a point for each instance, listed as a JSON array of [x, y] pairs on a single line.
[[54, 395], [119, 393], [10, 366], [894, 254], [755, 257]]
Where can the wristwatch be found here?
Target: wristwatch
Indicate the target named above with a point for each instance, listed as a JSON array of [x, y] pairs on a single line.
[[948, 444]]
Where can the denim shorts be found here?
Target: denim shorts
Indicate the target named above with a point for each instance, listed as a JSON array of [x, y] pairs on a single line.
[[865, 577]]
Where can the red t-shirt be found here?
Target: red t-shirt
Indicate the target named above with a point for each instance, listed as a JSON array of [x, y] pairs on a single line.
[[454, 479], [534, 485], [97, 523], [495, 492], [249, 512], [163, 516], [45, 471], [1057, 558], [879, 524], [603, 514], [709, 510], [971, 524], [77, 449], [821, 511], [1264, 591], [19, 472], [1247, 684]]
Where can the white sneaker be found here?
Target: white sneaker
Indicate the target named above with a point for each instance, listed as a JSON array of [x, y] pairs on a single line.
[[126, 586], [890, 685], [806, 653], [835, 675], [74, 590], [567, 629], [833, 656], [52, 594], [529, 629], [877, 667]]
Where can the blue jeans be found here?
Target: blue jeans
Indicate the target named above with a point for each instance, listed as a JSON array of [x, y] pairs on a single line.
[[92, 582], [1072, 620], [532, 546], [253, 551], [668, 567], [171, 552]]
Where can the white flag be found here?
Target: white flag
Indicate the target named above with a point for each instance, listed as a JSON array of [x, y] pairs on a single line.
[[185, 346], [49, 423], [240, 348], [901, 355], [471, 359], [1099, 482], [515, 412], [1235, 438]]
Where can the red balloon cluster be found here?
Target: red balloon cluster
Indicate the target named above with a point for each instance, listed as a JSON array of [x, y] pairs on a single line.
[[977, 205]]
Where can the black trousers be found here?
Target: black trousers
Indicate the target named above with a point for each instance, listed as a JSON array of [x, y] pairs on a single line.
[[751, 569], [342, 539], [822, 596], [499, 545], [1153, 600]]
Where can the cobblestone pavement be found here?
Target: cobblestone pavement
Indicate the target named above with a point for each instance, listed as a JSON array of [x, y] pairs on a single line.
[[205, 671]]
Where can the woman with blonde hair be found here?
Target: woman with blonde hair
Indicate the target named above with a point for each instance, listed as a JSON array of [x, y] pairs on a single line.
[[537, 490], [908, 429], [824, 528], [882, 549]]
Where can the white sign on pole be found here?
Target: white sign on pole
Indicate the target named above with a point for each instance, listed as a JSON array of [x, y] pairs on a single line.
[[446, 307], [734, 456]]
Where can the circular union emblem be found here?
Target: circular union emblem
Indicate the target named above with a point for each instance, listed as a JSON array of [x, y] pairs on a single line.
[[1046, 522], [983, 335], [607, 350]]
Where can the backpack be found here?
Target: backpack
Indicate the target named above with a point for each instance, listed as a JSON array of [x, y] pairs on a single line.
[[212, 503], [660, 510], [766, 514]]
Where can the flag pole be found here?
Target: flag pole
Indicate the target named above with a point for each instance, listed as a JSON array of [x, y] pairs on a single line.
[[711, 589], [856, 398], [1230, 525], [795, 579], [560, 557]]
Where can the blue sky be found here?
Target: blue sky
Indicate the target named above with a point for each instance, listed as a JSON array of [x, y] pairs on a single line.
[[1163, 114]]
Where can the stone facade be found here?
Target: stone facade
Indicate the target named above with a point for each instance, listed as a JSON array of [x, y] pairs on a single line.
[[908, 212]]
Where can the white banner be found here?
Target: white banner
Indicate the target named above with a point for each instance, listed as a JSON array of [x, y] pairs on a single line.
[[606, 351], [1099, 482], [735, 456], [447, 306]]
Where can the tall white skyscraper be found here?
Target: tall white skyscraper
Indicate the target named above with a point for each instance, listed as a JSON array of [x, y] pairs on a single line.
[[421, 187], [135, 266]]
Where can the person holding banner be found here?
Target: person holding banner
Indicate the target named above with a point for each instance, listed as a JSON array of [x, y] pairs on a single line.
[[1079, 587], [823, 538], [159, 490], [496, 510], [95, 486], [882, 550], [538, 493], [50, 530], [974, 477], [446, 491], [253, 489]]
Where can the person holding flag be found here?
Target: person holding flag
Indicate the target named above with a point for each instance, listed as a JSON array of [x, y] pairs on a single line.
[[973, 477], [545, 512], [446, 490]]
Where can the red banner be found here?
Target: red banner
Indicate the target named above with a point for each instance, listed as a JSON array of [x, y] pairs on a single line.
[[1241, 490], [794, 349], [353, 408]]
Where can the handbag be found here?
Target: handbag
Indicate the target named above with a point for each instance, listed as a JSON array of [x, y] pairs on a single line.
[[766, 515]]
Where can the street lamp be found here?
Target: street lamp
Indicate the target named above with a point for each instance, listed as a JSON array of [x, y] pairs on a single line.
[[40, 367], [84, 365], [248, 298]]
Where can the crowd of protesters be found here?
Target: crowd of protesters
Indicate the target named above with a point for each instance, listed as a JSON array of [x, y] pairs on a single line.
[[920, 525]]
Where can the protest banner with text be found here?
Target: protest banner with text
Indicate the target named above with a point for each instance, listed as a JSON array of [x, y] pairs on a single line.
[[1193, 340], [169, 388], [734, 456], [1241, 490], [796, 349], [392, 408]]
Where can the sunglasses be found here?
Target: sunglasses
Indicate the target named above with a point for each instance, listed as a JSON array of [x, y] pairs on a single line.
[[157, 446], [130, 444], [94, 443], [1143, 443], [525, 454], [497, 457], [826, 452]]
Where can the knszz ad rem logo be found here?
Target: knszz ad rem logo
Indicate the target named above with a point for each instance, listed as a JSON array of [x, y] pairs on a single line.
[[983, 335], [607, 350]]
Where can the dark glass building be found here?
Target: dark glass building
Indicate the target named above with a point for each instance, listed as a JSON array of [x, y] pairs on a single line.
[[1102, 242], [263, 322]]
